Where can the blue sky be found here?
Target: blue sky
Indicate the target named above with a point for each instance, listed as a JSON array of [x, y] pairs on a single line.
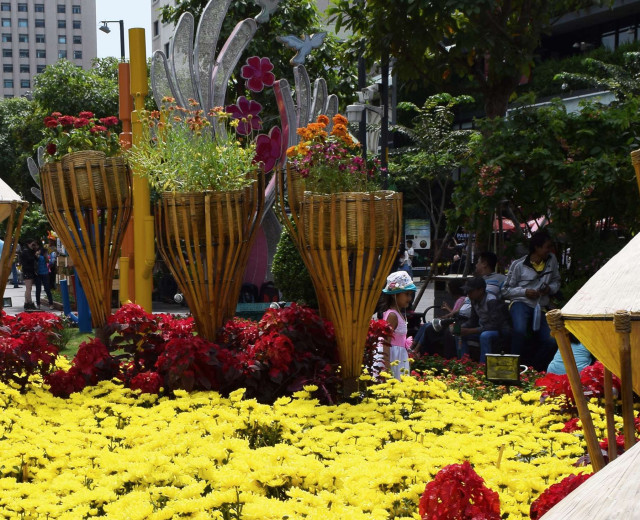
[[135, 13]]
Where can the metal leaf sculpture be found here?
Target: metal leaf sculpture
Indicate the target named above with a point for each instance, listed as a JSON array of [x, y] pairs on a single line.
[[195, 71]]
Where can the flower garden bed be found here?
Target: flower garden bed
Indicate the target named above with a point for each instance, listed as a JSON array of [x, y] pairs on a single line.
[[113, 452]]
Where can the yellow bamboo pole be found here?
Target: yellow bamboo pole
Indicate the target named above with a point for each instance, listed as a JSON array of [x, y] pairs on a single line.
[[622, 324], [141, 202], [556, 324]]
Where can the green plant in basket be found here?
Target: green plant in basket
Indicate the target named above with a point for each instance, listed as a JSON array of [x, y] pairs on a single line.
[[180, 151], [66, 134], [329, 162]]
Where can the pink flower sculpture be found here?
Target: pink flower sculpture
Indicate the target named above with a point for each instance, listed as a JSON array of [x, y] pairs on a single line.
[[269, 149], [258, 73], [247, 112]]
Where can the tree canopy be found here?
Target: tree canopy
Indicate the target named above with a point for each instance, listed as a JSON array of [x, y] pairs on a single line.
[[491, 43], [64, 87]]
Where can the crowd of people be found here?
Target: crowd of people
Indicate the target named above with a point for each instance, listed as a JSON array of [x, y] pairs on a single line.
[[37, 265], [498, 313]]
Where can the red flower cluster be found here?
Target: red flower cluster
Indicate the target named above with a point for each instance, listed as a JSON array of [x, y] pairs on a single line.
[[189, 364], [147, 382], [27, 345], [276, 351], [92, 363], [66, 134], [604, 444], [571, 425], [591, 377], [379, 332], [553, 494], [459, 493]]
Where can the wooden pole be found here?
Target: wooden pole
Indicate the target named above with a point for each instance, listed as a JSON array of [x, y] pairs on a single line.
[[141, 192], [612, 447], [622, 324], [556, 324]]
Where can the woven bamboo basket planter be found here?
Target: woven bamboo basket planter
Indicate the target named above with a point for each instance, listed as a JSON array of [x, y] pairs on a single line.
[[188, 211], [76, 173], [90, 218], [361, 218], [205, 239], [13, 212], [295, 187], [348, 242]]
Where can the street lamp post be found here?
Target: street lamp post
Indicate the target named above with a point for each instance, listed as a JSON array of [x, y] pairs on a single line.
[[105, 29]]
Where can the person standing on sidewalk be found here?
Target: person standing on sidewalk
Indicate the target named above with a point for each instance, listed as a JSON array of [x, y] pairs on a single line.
[[42, 276], [29, 266], [14, 267]]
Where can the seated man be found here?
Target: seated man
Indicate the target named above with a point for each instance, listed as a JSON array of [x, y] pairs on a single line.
[[486, 267], [489, 320]]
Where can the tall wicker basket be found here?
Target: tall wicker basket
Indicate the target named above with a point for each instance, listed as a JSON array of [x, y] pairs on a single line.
[[205, 239], [348, 242], [14, 212], [81, 175], [88, 203]]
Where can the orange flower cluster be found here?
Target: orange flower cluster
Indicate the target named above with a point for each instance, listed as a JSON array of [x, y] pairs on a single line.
[[316, 133]]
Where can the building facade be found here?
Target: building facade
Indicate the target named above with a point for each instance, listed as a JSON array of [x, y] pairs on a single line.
[[37, 33]]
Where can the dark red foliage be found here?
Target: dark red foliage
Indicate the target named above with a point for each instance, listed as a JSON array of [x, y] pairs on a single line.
[[459, 493], [379, 332], [63, 383], [94, 362], [189, 364], [239, 333], [27, 345], [553, 494]]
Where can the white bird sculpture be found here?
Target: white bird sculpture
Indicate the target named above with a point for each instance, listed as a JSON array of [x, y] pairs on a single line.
[[303, 45]]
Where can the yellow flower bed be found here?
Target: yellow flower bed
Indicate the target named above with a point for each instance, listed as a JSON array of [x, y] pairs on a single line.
[[107, 452]]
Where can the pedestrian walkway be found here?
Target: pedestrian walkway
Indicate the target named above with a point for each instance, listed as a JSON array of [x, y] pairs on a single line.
[[17, 302], [16, 295]]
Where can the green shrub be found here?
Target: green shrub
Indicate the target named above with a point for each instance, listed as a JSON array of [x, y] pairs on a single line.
[[290, 274]]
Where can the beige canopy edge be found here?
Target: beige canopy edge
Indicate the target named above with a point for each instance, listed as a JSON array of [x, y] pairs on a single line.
[[589, 314]]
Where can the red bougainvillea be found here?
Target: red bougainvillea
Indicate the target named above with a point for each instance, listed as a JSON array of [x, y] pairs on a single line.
[[553, 494], [459, 493]]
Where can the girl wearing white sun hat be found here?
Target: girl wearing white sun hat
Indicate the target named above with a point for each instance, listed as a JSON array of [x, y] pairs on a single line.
[[399, 292]]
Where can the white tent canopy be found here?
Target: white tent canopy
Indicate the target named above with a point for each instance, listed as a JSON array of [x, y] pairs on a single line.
[[6, 195]]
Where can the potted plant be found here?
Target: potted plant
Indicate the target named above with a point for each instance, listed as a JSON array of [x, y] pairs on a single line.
[[87, 192], [208, 171], [346, 229], [83, 152]]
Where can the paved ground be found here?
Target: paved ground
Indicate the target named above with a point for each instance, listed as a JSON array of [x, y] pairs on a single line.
[[17, 301]]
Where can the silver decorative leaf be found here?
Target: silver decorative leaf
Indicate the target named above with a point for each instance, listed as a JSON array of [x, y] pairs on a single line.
[[40, 156], [227, 61], [303, 95], [33, 170], [319, 105], [181, 52], [332, 109], [287, 111], [36, 193], [161, 82], [205, 49]]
